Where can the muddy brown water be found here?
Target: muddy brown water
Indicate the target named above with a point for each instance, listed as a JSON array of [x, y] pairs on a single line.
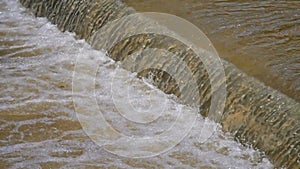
[[261, 37], [39, 128]]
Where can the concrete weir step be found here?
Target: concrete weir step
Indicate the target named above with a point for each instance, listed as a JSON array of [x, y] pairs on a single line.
[[254, 113]]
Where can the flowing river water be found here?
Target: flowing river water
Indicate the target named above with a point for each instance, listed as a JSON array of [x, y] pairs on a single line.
[[261, 38], [38, 123]]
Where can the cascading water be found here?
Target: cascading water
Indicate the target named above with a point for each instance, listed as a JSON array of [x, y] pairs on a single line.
[[39, 125]]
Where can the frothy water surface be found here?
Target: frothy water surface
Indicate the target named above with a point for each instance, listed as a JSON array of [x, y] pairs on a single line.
[[38, 124]]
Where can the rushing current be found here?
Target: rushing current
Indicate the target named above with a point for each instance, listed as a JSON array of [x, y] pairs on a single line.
[[38, 123]]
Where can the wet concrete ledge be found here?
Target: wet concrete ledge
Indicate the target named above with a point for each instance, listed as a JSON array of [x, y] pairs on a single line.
[[256, 114]]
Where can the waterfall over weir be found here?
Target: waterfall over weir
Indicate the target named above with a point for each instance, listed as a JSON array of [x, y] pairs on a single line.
[[254, 113]]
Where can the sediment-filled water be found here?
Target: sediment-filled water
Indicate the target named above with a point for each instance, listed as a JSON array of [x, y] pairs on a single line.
[[262, 38], [38, 124]]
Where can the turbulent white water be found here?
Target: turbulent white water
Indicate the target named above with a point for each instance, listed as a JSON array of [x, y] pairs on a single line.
[[38, 123]]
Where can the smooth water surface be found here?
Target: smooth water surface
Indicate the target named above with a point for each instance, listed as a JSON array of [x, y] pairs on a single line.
[[261, 37]]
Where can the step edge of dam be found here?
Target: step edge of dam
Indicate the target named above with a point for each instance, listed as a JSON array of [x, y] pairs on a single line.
[[281, 117]]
